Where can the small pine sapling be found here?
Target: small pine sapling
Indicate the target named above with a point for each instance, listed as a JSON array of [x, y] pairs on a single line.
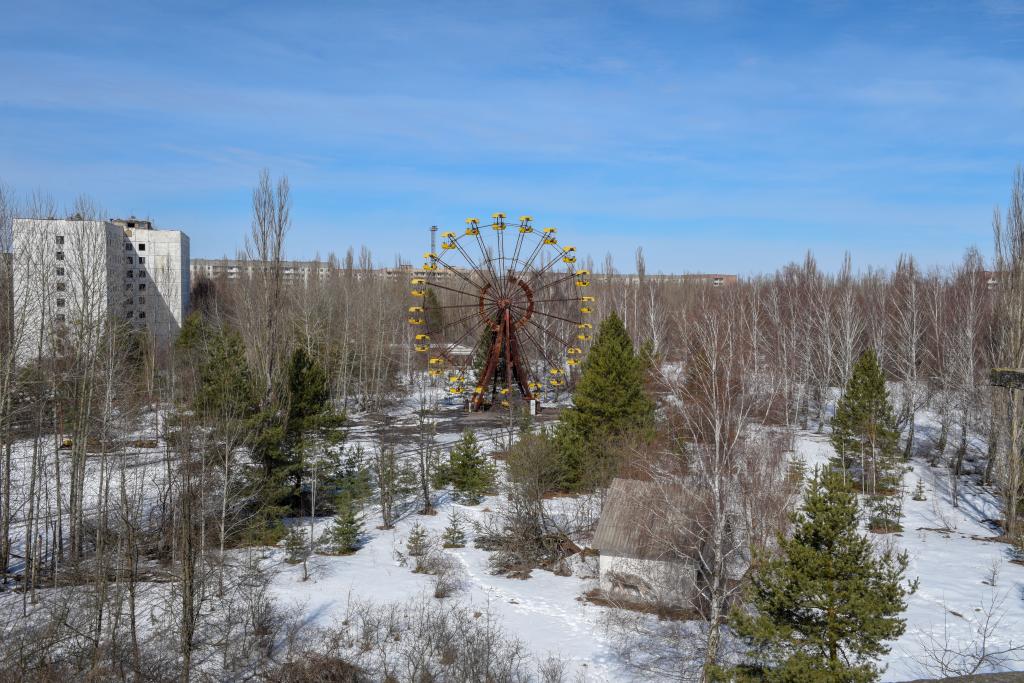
[[919, 491], [295, 546], [343, 538], [454, 536], [418, 542]]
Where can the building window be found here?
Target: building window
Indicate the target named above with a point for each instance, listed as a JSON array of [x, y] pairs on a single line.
[[130, 273], [127, 246], [142, 314], [61, 286], [60, 239], [142, 273], [60, 270], [60, 317], [60, 255], [142, 247], [142, 260], [128, 314], [142, 299], [128, 260], [142, 287], [60, 303]]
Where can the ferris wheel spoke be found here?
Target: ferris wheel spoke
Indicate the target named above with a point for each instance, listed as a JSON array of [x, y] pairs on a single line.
[[556, 317], [515, 258], [554, 282], [540, 348], [501, 261], [529, 262], [454, 322], [554, 301], [473, 305], [548, 266], [458, 341], [459, 291], [550, 334], [456, 272], [472, 263], [488, 260]]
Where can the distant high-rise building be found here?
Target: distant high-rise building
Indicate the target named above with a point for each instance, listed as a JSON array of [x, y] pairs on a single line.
[[71, 274]]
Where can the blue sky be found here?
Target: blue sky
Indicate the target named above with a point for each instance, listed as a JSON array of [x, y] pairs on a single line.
[[719, 136]]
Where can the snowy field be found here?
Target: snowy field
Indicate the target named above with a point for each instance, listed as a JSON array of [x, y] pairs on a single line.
[[964, 578], [945, 545]]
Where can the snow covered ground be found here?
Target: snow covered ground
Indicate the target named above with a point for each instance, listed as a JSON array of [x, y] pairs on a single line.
[[946, 545]]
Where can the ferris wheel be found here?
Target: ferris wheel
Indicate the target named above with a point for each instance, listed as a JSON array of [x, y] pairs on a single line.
[[500, 313]]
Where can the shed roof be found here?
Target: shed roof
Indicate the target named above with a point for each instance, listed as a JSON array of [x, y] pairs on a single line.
[[642, 520]]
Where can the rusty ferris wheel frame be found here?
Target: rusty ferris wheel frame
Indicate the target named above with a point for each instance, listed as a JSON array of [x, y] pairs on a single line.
[[520, 304]]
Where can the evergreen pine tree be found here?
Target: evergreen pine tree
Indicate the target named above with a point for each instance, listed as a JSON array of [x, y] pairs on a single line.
[[418, 542], [454, 536], [469, 470], [608, 401], [311, 422], [864, 428], [824, 609], [345, 533], [295, 546]]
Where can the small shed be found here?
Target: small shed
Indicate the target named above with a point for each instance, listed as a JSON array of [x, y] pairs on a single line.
[[643, 540]]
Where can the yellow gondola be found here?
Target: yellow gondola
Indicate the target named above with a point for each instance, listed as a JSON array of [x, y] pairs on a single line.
[[429, 266], [572, 361], [556, 382], [415, 309], [418, 293], [555, 371], [569, 259], [478, 390], [586, 299], [568, 249], [417, 281], [525, 219], [434, 373], [504, 404], [498, 215], [446, 245], [504, 391], [534, 386], [525, 228], [574, 350], [585, 310], [550, 230], [583, 283], [454, 379], [455, 390], [585, 326], [448, 235], [472, 230], [417, 321], [422, 337], [436, 360], [583, 337], [580, 273], [550, 240], [472, 221], [429, 255], [422, 348]]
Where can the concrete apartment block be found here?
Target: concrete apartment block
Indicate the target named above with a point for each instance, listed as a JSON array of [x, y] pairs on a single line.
[[70, 274]]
